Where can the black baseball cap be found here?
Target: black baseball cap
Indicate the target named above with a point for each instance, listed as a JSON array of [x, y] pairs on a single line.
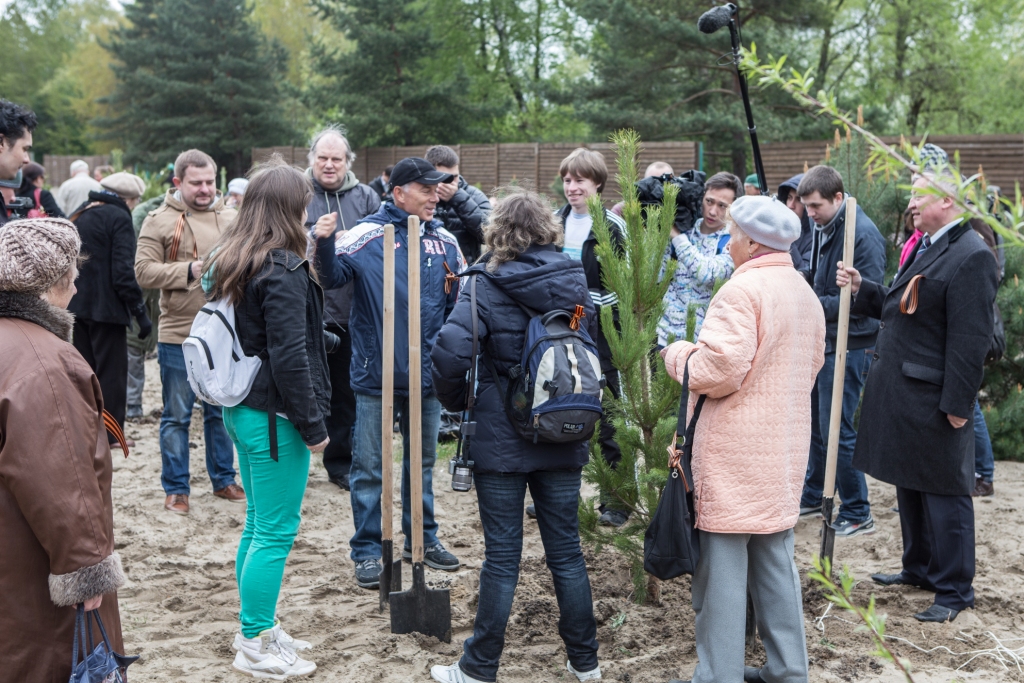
[[417, 170]]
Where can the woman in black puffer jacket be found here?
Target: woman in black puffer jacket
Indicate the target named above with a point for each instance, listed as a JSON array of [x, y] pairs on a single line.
[[522, 267]]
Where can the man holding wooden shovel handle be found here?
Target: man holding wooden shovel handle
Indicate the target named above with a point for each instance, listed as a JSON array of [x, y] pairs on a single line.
[[358, 256]]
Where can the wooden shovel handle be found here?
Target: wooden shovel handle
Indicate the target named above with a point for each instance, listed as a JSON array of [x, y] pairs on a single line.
[[387, 408], [415, 392], [839, 375]]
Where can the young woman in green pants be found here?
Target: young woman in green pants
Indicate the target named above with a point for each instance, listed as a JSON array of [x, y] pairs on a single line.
[[260, 266]]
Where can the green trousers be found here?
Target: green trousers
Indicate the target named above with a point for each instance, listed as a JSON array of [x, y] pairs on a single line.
[[273, 492]]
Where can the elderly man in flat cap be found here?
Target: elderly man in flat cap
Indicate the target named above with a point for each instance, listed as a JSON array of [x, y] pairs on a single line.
[[108, 295]]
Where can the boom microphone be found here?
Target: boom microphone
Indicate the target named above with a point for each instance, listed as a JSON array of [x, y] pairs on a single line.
[[716, 18]]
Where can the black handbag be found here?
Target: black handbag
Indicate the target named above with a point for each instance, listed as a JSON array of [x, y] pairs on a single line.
[[671, 544], [100, 664]]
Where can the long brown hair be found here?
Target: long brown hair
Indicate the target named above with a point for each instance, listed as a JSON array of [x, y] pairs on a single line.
[[270, 218]]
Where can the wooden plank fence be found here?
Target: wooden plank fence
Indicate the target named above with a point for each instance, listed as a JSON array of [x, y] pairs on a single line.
[[489, 166], [1000, 156], [58, 166]]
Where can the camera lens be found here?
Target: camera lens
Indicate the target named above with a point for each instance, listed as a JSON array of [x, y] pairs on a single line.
[[462, 478], [332, 342]]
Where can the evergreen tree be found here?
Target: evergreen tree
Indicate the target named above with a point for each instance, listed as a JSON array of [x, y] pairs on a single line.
[[655, 72], [1002, 393], [644, 415], [196, 73], [388, 89]]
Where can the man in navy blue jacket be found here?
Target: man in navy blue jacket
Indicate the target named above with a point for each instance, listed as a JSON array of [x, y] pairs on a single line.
[[822, 194], [358, 257]]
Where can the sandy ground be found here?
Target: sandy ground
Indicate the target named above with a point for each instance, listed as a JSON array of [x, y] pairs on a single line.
[[180, 606]]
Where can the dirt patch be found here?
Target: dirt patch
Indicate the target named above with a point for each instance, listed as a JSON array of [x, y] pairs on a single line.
[[180, 607]]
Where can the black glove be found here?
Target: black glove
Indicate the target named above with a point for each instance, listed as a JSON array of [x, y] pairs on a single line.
[[145, 326]]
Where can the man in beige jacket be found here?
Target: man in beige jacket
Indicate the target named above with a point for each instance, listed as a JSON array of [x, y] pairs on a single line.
[[174, 240]]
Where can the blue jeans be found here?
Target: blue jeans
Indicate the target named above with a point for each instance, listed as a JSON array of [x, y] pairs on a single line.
[[365, 476], [500, 498], [984, 459], [174, 423], [850, 482]]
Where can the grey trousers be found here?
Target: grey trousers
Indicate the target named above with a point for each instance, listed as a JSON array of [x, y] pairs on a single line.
[[136, 375], [729, 566]]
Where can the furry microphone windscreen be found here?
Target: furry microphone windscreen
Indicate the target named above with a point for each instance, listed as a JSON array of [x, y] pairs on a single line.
[[716, 18]]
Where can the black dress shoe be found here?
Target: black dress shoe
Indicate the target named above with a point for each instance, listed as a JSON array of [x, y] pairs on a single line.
[[900, 579], [938, 614], [752, 675], [341, 482]]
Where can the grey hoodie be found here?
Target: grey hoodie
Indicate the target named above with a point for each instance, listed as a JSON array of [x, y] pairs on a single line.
[[352, 202]]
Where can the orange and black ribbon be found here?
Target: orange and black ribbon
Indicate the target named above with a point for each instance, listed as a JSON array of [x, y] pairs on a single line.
[[115, 429], [908, 304], [574, 324], [450, 278]]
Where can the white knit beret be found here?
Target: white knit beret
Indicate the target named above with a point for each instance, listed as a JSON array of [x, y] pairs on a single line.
[[766, 220], [124, 184], [36, 252]]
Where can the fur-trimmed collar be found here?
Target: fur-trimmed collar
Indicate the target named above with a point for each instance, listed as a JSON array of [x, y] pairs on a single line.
[[32, 308]]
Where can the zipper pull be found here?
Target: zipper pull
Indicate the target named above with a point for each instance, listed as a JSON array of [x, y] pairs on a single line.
[[428, 261]]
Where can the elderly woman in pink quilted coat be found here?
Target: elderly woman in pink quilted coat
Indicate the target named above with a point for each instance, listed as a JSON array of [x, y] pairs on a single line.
[[756, 359]]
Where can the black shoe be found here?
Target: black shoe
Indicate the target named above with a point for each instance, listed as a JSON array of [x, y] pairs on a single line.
[[613, 518], [982, 488], [900, 579], [436, 557], [531, 511], [368, 573], [938, 614], [341, 482]]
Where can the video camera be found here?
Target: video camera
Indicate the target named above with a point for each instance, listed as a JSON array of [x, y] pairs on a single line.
[[650, 192], [17, 207]]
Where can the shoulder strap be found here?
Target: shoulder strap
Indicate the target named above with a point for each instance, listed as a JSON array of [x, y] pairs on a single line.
[[74, 216], [681, 454], [471, 391]]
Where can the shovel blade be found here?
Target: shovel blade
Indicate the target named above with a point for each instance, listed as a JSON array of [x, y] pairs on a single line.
[[421, 609], [390, 573], [828, 533]]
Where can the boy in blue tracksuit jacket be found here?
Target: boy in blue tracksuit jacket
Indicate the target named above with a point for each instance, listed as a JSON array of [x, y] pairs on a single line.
[[358, 256]]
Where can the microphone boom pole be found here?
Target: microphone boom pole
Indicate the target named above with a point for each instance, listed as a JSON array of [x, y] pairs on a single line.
[[711, 21]]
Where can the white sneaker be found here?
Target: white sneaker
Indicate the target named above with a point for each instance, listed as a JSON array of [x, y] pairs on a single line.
[[266, 657], [594, 675], [450, 674], [294, 643]]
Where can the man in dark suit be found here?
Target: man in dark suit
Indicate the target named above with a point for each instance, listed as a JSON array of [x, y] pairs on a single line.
[[916, 428]]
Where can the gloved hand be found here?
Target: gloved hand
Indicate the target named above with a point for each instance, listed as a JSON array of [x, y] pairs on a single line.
[[145, 325]]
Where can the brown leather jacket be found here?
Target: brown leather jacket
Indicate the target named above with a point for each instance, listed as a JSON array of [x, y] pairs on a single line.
[[180, 300], [56, 517]]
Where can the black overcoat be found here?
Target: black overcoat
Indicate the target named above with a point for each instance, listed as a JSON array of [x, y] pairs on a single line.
[[926, 365], [107, 289]]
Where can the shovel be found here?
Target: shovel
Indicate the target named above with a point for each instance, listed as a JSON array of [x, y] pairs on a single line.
[[828, 533], [418, 609], [391, 571]]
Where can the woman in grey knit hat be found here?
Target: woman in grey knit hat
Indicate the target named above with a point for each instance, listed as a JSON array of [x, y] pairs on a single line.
[[55, 465]]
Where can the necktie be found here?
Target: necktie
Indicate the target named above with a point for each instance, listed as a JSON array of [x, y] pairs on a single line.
[[926, 242]]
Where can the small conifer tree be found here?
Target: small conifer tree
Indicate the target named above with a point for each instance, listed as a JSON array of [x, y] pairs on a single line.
[[644, 414]]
